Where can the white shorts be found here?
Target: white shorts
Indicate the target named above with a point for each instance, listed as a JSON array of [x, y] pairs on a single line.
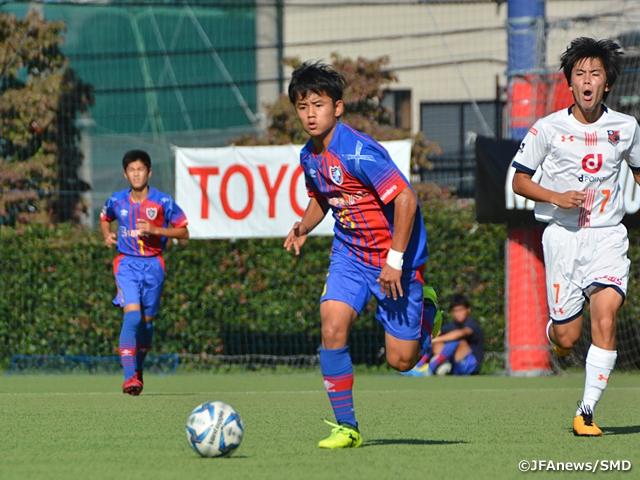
[[579, 260]]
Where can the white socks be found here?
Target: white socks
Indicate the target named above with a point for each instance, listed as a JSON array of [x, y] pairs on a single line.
[[551, 342], [598, 367]]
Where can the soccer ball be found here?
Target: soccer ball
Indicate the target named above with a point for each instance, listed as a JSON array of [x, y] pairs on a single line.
[[214, 429]]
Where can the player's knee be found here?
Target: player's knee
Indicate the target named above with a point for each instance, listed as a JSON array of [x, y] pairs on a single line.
[[567, 339], [402, 364], [406, 366]]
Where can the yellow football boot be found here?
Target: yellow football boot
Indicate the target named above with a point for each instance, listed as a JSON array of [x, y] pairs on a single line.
[[583, 425], [341, 436]]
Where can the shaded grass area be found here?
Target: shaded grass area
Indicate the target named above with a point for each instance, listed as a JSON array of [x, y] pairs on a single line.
[[56, 427]]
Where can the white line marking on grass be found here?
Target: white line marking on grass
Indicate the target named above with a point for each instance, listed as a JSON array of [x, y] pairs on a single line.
[[306, 392]]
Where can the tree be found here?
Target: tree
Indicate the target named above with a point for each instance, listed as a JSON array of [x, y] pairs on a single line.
[[40, 97], [367, 81]]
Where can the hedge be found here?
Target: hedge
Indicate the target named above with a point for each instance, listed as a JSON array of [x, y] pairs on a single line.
[[224, 297]]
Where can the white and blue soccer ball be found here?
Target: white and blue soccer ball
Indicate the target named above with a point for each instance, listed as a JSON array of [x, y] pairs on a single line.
[[214, 429]]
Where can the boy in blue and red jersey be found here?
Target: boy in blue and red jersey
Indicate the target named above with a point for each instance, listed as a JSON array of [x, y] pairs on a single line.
[[379, 247], [146, 217]]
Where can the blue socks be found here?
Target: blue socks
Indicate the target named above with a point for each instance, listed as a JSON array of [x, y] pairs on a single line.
[[143, 342], [337, 371], [128, 343], [426, 328], [445, 354]]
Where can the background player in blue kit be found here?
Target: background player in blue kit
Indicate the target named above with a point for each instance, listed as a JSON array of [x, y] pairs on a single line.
[[379, 248], [146, 217], [461, 342]]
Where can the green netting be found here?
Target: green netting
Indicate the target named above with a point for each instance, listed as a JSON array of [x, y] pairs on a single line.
[[161, 68]]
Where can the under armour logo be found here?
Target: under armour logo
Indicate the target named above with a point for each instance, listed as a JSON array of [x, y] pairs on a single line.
[[126, 352], [329, 386], [602, 377], [357, 155], [558, 310], [567, 138]]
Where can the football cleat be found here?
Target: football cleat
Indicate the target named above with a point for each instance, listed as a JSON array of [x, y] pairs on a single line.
[[138, 375], [342, 436], [418, 371], [132, 386], [444, 369], [583, 425]]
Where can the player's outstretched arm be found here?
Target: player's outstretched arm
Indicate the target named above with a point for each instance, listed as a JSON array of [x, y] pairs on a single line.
[[313, 215], [110, 238], [405, 206], [523, 185]]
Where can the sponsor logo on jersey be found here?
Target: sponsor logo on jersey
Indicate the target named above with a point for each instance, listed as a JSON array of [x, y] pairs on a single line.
[[567, 138], [388, 192], [533, 131], [591, 139], [124, 232], [152, 213], [336, 175], [613, 136], [590, 178], [592, 162], [610, 278], [346, 199], [312, 173], [124, 212]]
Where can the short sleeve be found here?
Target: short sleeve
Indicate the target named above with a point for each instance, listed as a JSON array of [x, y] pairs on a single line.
[[107, 214], [633, 156], [374, 168], [532, 151], [174, 214]]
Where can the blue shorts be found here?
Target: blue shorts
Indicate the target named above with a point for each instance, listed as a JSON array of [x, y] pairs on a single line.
[[140, 280], [352, 282], [467, 366]]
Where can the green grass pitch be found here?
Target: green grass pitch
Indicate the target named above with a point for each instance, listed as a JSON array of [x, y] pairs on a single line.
[[81, 427]]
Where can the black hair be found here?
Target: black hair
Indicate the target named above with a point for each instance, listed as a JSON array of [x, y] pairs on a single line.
[[607, 51], [459, 299], [318, 78], [133, 155]]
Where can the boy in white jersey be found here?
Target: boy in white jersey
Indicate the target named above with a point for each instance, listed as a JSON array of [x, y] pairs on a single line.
[[580, 152]]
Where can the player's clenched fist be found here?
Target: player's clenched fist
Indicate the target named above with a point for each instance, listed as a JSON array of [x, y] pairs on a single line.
[[110, 240]]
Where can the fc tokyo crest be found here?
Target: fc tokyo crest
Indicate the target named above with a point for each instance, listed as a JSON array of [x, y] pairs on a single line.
[[613, 136], [152, 212], [336, 175]]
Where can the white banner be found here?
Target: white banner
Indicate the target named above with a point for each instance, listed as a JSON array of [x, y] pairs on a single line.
[[242, 192]]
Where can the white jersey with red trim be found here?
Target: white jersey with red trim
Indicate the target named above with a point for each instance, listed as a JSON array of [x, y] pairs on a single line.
[[582, 157]]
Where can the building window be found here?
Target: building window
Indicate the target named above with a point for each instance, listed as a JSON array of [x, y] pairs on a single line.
[[453, 125], [399, 103]]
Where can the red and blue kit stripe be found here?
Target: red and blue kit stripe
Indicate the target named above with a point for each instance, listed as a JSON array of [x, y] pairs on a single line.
[[158, 208], [358, 179]]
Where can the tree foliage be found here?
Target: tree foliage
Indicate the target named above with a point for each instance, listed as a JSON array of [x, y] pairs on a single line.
[[367, 80], [40, 97]]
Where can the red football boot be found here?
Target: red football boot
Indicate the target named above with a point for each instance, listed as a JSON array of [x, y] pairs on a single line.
[[132, 386]]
